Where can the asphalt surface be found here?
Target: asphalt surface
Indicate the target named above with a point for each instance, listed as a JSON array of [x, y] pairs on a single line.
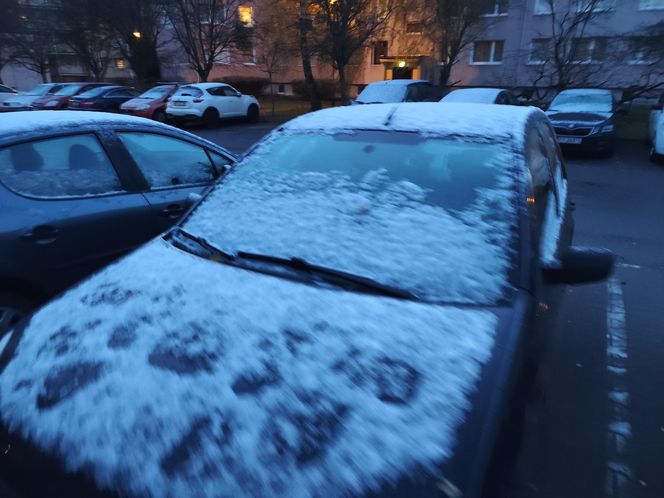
[[595, 424]]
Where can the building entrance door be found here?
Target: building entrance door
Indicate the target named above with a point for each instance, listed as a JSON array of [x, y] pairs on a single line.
[[402, 73]]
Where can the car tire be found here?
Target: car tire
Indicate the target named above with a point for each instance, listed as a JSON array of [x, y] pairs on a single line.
[[210, 118], [253, 114], [13, 307], [159, 115]]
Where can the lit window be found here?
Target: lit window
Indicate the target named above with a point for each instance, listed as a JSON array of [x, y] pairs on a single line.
[[246, 15], [540, 50], [121, 63], [651, 4], [487, 52]]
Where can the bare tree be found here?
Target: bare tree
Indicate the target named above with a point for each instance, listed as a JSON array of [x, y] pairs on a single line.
[[206, 30], [88, 38], [348, 25], [135, 26], [453, 25], [567, 55], [645, 49], [307, 42]]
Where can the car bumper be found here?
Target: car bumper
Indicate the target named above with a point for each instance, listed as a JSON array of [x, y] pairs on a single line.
[[598, 142], [143, 113], [184, 113]]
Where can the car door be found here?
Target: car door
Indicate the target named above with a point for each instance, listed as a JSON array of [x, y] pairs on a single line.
[[71, 212], [115, 98], [174, 169], [235, 102], [220, 101]]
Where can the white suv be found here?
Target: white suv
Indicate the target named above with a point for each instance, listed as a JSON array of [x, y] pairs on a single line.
[[211, 102], [657, 131]]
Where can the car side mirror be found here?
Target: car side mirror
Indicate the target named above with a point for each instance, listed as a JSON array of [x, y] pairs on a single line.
[[219, 170], [581, 265]]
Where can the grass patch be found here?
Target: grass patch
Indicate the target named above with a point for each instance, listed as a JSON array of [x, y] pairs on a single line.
[[285, 108], [634, 125]]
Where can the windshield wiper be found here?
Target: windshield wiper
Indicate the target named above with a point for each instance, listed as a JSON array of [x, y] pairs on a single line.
[[333, 276], [198, 246]]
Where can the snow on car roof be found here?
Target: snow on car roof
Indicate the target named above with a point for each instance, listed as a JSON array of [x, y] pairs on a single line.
[[585, 91], [207, 85], [473, 95], [170, 375], [397, 82], [430, 118]]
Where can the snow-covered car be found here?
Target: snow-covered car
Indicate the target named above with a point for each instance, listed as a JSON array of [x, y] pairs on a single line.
[[480, 96], [392, 91], [211, 102], [79, 189], [346, 313], [583, 120], [7, 93], [657, 131], [23, 102]]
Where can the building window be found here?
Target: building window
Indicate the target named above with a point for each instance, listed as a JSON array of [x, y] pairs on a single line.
[[595, 5], [414, 28], [121, 64], [379, 50], [487, 52], [496, 8], [588, 50], [642, 49], [543, 6], [246, 15], [651, 4], [281, 88], [540, 50], [223, 57]]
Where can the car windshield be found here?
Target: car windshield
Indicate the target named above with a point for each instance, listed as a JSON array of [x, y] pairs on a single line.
[[68, 90], [41, 90], [155, 93], [582, 101], [94, 92], [188, 91], [382, 93], [431, 216]]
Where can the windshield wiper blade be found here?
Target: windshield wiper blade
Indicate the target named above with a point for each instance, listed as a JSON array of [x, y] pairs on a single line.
[[198, 246], [333, 276]]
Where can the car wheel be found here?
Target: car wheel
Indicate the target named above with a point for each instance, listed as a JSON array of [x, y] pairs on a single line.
[[253, 114], [211, 118], [13, 308], [159, 115]]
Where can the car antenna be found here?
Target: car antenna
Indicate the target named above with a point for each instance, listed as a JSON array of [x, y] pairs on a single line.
[[388, 119]]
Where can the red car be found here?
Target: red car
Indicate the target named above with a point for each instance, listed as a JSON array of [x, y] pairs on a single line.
[[60, 99], [150, 104]]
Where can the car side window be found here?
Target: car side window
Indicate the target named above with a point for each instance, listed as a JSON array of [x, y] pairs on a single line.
[[166, 161], [229, 92], [72, 166], [119, 93], [217, 91], [414, 93]]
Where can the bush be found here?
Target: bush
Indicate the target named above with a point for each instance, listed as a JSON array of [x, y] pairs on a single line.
[[326, 88], [247, 85]]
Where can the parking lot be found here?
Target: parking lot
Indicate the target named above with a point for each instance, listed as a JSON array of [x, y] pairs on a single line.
[[595, 425]]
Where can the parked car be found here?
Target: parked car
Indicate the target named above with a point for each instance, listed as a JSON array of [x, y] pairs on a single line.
[[150, 104], [383, 92], [344, 314], [103, 98], [657, 131], [60, 99], [23, 102], [480, 96], [211, 102], [583, 120], [7, 92], [79, 189]]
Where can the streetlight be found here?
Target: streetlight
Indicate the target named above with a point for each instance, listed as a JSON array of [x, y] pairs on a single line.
[[137, 34], [402, 64]]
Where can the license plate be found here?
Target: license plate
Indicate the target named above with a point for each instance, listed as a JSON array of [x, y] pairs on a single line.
[[178, 103], [569, 140]]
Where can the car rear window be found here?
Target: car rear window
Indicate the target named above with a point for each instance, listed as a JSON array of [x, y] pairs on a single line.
[[188, 91], [73, 166]]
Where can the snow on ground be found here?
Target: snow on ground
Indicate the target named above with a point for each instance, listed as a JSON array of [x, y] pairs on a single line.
[[169, 375]]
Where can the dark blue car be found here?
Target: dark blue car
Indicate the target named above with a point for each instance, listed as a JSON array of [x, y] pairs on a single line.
[[77, 190]]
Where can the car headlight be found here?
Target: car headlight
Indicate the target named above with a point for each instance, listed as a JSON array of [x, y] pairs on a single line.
[[607, 128], [52, 103]]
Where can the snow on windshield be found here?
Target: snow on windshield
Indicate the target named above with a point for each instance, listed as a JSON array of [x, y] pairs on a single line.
[[434, 218], [170, 375], [382, 93], [578, 101], [473, 95]]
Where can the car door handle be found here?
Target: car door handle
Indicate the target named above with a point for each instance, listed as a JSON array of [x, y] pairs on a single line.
[[173, 210], [42, 234]]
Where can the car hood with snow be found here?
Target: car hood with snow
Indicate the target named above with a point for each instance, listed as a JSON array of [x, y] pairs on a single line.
[[180, 372], [582, 106]]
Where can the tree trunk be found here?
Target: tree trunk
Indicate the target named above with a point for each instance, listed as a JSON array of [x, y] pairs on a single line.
[[305, 52], [343, 84], [445, 72], [270, 77]]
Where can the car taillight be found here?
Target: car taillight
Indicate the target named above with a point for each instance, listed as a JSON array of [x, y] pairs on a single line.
[[198, 101]]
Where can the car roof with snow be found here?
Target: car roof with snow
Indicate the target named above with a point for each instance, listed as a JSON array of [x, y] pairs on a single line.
[[473, 95], [437, 118], [28, 124], [585, 91], [207, 85], [397, 82]]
